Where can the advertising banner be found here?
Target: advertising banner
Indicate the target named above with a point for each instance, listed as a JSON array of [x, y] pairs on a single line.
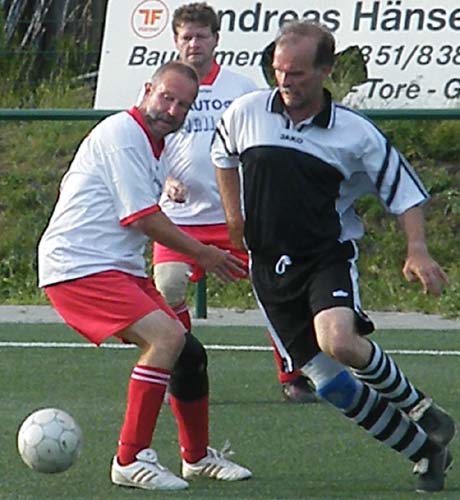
[[411, 47]]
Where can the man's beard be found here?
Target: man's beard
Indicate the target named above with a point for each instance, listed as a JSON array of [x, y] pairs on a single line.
[[157, 116]]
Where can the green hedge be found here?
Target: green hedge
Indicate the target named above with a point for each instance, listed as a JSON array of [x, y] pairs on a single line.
[[34, 156]]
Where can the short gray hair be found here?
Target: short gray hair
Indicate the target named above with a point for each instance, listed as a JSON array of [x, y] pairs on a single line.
[[183, 68], [325, 49]]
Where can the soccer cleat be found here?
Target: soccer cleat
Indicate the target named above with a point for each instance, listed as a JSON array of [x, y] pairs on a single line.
[[432, 470], [435, 421], [146, 473], [300, 391], [215, 466]]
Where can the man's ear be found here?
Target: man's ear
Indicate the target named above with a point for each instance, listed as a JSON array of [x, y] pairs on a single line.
[[266, 63], [326, 72]]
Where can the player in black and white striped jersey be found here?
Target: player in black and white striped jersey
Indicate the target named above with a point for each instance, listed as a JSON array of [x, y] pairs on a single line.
[[304, 161]]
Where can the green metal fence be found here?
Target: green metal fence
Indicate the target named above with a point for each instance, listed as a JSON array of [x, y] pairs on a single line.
[[97, 114], [94, 115]]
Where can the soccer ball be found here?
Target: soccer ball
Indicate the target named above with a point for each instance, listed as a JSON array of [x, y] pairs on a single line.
[[49, 440]]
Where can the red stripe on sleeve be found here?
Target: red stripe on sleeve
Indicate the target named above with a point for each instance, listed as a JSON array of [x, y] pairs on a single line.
[[138, 215]]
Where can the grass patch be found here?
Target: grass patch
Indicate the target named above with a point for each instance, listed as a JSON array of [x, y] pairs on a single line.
[[295, 452]]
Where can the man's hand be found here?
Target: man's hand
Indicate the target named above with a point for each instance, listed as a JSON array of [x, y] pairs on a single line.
[[421, 266], [226, 266], [175, 190]]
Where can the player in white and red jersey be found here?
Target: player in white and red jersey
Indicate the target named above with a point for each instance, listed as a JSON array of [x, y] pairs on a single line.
[[92, 268], [191, 198]]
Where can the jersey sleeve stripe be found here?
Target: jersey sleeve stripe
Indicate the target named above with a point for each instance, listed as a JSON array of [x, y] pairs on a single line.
[[394, 186], [384, 167], [410, 172], [219, 132], [138, 215]]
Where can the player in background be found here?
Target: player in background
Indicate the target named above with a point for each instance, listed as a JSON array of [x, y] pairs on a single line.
[[92, 267], [305, 159], [191, 198]]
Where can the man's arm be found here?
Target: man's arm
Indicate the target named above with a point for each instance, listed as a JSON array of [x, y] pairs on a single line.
[[159, 227], [228, 181], [419, 264]]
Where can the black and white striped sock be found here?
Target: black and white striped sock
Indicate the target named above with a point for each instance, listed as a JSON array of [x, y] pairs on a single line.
[[384, 375], [388, 424]]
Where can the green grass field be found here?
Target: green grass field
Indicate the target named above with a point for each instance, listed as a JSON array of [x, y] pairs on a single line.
[[295, 452]]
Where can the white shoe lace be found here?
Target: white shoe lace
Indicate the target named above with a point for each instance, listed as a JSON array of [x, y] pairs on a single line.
[[421, 467], [419, 410], [149, 456], [223, 453]]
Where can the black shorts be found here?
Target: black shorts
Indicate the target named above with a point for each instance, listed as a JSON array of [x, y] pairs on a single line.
[[292, 291]]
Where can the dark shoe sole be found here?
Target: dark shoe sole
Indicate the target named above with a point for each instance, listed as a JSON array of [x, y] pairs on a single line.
[[448, 464]]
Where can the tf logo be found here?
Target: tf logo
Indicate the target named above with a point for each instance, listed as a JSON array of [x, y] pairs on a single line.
[[149, 18]]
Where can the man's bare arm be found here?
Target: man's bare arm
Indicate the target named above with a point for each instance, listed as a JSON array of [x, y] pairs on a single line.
[[159, 227], [228, 181]]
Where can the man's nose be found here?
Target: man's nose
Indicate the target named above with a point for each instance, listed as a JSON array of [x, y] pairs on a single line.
[[284, 80], [175, 109]]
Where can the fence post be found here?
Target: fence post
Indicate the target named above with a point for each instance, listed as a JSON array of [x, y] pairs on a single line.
[[201, 308]]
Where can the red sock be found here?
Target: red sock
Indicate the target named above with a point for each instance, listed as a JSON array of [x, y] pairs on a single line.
[[284, 378], [146, 390], [183, 314], [192, 423]]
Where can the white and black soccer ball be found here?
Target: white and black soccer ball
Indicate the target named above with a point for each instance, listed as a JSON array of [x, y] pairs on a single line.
[[49, 440]]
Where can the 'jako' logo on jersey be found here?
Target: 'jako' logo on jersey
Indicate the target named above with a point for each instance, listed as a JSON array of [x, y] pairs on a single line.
[[150, 18], [288, 137]]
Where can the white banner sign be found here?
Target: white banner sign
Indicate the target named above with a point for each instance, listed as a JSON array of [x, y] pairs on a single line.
[[412, 47]]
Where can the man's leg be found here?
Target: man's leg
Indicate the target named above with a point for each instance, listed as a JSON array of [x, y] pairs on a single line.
[[189, 387], [336, 336], [115, 303], [377, 369], [189, 403], [171, 280], [161, 339], [297, 388], [381, 419], [384, 375]]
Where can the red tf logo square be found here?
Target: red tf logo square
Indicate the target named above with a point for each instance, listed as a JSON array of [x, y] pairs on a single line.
[[150, 18]]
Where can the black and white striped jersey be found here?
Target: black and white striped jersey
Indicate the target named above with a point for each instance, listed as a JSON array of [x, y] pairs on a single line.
[[300, 181]]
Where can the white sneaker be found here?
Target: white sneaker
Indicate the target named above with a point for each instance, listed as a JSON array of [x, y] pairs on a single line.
[[146, 473], [215, 466]]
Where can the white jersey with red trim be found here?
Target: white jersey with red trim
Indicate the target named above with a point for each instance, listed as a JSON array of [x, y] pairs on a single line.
[[188, 151], [115, 178]]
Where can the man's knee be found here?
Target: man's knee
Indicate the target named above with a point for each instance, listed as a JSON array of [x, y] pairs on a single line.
[[336, 333], [160, 337], [171, 279], [189, 379]]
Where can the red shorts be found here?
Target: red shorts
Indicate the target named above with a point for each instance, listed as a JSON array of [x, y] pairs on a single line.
[[214, 234], [102, 304]]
